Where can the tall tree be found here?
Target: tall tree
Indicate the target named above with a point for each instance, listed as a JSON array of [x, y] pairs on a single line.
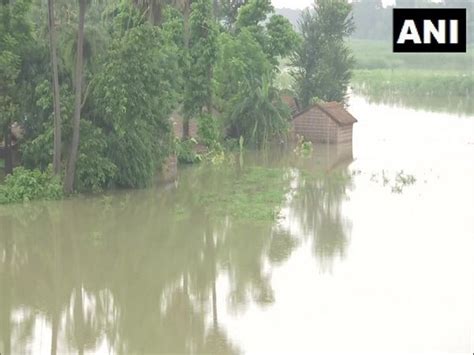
[[202, 57], [15, 37], [323, 29], [55, 82], [229, 10], [71, 167]]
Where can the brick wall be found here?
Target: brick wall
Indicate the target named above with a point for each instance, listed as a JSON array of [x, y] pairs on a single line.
[[316, 126], [193, 128], [344, 134], [177, 122]]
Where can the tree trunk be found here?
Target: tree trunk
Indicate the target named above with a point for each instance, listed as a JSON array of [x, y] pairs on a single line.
[[186, 128], [56, 99], [8, 150], [71, 167], [186, 14], [156, 12]]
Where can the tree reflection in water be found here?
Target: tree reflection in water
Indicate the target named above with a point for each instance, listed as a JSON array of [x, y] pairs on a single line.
[[128, 274]]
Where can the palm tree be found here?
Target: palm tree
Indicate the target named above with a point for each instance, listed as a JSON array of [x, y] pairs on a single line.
[[259, 113]]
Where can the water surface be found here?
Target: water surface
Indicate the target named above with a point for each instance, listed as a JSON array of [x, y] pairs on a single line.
[[351, 249]]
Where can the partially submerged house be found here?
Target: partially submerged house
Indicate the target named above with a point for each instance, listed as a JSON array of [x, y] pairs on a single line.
[[324, 123]]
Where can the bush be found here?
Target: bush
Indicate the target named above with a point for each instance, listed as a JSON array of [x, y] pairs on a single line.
[[26, 185], [185, 151], [208, 130], [94, 168]]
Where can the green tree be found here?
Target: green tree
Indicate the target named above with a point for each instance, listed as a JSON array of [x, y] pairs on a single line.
[[15, 37], [251, 105], [274, 32], [323, 61], [55, 84], [229, 10], [78, 78], [248, 62], [202, 58], [259, 114], [133, 95]]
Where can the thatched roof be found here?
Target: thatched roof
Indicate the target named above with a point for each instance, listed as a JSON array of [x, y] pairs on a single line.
[[334, 110]]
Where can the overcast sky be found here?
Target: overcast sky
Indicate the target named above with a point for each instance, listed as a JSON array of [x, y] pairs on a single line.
[[301, 4]]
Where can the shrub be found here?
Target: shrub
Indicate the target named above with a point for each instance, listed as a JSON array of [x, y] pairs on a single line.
[[185, 151], [26, 185], [208, 131], [94, 168]]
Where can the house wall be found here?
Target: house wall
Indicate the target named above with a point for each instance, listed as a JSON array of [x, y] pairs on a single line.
[[316, 126], [344, 134], [177, 122]]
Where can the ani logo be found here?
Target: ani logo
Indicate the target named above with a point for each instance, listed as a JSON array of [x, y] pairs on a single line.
[[429, 30]]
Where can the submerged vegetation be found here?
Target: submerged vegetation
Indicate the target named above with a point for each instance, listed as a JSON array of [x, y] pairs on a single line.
[[376, 54], [397, 183], [255, 193], [26, 185], [415, 82], [441, 83]]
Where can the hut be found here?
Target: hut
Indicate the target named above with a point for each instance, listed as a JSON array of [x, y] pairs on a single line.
[[324, 123]]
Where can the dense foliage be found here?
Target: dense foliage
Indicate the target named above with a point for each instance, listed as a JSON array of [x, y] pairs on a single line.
[[323, 61], [215, 62], [26, 185], [134, 94], [245, 74]]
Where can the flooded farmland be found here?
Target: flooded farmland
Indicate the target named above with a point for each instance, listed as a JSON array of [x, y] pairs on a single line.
[[363, 248]]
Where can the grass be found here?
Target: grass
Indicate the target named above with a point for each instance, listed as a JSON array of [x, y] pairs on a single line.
[[378, 55], [255, 194], [438, 82], [415, 82]]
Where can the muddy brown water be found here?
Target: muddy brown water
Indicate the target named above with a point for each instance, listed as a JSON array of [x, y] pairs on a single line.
[[370, 250]]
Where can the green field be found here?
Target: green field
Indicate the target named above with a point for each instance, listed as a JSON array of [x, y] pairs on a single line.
[[439, 82], [415, 82], [379, 55]]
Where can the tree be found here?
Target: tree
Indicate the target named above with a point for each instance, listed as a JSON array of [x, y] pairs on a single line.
[[323, 30], [15, 36], [259, 115], [133, 94], [274, 33], [202, 58], [229, 10], [55, 82], [71, 167], [250, 104]]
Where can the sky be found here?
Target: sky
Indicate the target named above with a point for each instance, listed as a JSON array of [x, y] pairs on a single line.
[[301, 4]]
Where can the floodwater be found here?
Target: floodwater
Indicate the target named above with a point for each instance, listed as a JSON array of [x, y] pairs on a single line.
[[365, 249]]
